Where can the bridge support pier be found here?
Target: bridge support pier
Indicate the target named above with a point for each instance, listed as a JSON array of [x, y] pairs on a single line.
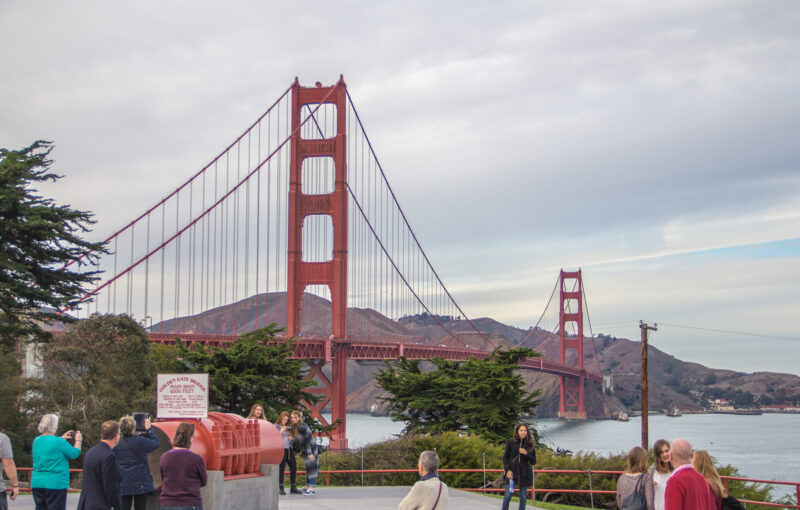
[[571, 405], [333, 272]]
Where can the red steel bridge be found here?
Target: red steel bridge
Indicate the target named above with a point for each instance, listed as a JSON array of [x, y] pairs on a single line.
[[295, 223]]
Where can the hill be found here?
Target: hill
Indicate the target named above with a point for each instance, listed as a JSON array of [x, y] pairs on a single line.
[[672, 381]]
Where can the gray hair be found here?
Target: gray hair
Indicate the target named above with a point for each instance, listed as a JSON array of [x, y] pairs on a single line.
[[429, 461], [48, 424]]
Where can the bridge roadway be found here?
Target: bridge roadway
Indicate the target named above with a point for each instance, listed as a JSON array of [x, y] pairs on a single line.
[[322, 349], [336, 498]]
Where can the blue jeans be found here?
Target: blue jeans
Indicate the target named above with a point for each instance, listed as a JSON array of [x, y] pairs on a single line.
[[523, 496], [312, 470]]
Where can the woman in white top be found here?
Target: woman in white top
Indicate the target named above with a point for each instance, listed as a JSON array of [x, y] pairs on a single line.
[[660, 472]]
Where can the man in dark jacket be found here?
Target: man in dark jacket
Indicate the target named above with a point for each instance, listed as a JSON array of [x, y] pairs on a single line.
[[100, 489]]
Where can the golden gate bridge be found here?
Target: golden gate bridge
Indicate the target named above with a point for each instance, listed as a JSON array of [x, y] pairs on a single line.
[[295, 223]]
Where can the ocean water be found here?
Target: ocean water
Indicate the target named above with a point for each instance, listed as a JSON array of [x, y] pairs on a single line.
[[763, 447]]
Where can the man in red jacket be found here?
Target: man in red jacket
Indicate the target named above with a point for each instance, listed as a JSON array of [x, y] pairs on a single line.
[[686, 488]]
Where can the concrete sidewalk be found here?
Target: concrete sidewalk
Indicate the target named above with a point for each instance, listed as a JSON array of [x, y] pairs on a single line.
[[377, 498], [337, 498]]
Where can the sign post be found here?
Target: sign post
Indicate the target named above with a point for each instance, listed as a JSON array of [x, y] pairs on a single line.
[[181, 396]]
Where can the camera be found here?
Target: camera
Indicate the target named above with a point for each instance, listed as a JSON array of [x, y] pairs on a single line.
[[140, 419]]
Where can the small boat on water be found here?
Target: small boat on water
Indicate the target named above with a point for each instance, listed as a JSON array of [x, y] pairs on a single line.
[[373, 410], [673, 412], [622, 416]]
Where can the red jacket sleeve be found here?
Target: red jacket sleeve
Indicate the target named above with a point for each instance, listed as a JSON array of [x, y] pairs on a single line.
[[673, 499]]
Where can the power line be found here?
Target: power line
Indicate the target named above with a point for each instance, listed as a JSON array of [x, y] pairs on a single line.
[[730, 332], [712, 330]]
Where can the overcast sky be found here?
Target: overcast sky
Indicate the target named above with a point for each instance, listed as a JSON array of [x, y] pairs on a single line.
[[653, 144]]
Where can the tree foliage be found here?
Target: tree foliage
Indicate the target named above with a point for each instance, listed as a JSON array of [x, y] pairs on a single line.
[[37, 238], [485, 396], [99, 370], [254, 369]]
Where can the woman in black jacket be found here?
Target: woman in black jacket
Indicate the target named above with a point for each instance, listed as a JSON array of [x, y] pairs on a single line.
[[518, 461], [131, 451]]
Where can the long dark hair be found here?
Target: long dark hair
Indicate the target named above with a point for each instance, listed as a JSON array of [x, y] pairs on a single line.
[[661, 466], [183, 435], [527, 442]]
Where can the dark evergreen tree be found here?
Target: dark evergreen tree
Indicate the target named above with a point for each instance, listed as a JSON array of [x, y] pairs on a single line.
[[37, 238], [99, 370], [485, 396], [254, 369]]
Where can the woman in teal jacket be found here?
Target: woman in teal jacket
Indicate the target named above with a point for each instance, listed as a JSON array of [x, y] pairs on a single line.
[[50, 478]]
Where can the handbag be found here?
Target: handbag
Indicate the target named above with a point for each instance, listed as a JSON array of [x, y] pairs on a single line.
[[636, 499]]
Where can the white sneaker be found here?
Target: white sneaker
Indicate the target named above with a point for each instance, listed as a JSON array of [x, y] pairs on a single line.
[[309, 492]]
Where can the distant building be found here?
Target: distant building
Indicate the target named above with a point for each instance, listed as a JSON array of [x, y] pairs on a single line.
[[721, 404]]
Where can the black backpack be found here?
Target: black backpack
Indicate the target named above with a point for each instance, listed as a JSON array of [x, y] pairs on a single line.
[[636, 500], [731, 503]]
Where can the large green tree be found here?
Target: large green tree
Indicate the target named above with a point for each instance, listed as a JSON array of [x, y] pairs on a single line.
[[254, 369], [485, 396], [99, 370], [37, 238]]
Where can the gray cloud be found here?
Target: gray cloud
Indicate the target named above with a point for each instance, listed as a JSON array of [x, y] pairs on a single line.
[[519, 137]]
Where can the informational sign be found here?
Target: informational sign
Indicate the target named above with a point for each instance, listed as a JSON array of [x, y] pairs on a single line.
[[182, 396]]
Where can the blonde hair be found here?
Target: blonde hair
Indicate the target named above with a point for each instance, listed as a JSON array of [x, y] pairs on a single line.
[[252, 415], [702, 463], [127, 425], [48, 424], [637, 461], [295, 426]]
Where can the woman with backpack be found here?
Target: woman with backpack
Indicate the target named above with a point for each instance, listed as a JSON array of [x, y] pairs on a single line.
[[136, 483], [702, 463], [632, 493], [518, 461], [303, 440]]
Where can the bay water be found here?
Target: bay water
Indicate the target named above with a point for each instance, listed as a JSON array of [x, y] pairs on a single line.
[[764, 447]]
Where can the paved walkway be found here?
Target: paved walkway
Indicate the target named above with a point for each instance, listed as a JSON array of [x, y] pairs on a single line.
[[377, 498], [337, 498]]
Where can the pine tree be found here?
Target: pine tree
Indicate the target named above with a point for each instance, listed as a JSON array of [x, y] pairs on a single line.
[[37, 239], [485, 396]]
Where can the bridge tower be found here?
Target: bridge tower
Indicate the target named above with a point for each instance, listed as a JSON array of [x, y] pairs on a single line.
[[332, 273], [571, 312]]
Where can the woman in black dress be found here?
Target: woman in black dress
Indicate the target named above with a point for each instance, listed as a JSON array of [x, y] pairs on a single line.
[[518, 461]]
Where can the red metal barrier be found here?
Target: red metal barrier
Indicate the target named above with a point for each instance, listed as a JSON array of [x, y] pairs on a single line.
[[232, 444]]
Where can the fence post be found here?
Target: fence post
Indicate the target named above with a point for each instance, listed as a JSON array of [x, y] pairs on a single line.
[[362, 466], [484, 472], [591, 491]]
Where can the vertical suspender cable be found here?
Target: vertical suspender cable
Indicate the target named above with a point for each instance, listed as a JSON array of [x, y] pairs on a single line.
[[176, 326]]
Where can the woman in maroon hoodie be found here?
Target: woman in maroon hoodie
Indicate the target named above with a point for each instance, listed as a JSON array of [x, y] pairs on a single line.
[[183, 473]]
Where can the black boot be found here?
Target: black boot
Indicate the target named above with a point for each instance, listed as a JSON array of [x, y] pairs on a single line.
[[295, 491], [282, 492]]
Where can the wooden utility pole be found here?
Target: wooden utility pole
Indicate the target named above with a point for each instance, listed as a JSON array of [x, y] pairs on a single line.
[[645, 328]]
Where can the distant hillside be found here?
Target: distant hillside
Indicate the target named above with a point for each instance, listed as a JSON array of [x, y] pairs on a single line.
[[671, 381]]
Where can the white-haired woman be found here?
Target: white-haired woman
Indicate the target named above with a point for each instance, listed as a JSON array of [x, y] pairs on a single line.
[[51, 454]]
